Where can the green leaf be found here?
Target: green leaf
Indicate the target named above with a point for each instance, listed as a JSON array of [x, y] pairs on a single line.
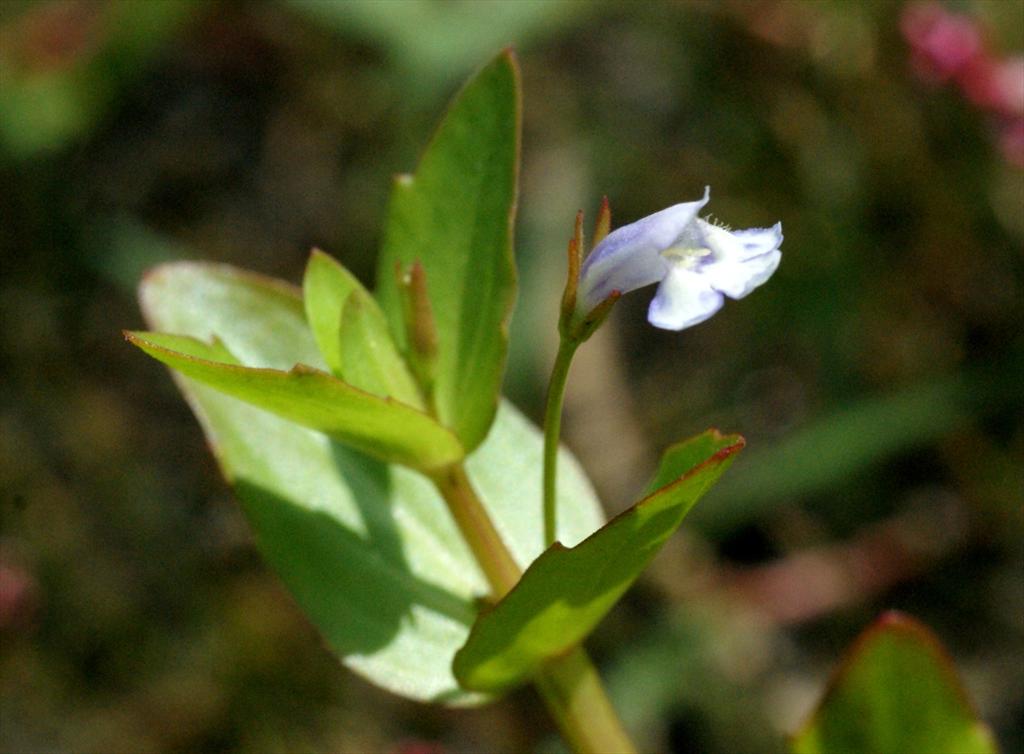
[[326, 286], [383, 428], [455, 216], [352, 332], [679, 459], [896, 690], [214, 350], [368, 550], [566, 591], [369, 359]]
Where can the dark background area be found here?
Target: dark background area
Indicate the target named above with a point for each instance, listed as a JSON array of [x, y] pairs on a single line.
[[877, 377]]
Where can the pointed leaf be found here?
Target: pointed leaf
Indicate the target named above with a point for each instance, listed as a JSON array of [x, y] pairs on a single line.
[[352, 332], [680, 458], [383, 428], [369, 551], [566, 591], [326, 286], [895, 691], [455, 216], [213, 350], [369, 359]]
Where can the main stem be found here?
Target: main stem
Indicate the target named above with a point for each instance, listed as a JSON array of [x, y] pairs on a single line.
[[575, 696], [495, 560], [552, 431], [569, 685]]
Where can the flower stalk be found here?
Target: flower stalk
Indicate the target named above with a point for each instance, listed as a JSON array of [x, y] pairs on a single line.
[[552, 431], [574, 328], [575, 696]]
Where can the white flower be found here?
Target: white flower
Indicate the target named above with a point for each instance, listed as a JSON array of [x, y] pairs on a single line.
[[695, 262]]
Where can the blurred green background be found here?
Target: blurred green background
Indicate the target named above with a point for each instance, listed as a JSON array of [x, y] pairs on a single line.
[[877, 378]]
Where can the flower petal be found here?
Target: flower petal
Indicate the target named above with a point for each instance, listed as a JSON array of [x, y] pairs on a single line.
[[737, 279], [630, 257], [684, 298], [740, 245], [758, 241]]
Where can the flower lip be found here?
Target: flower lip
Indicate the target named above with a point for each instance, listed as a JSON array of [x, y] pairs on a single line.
[[695, 262]]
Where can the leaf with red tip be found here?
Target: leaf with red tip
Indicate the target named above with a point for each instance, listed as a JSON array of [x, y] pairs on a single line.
[[567, 591], [895, 691]]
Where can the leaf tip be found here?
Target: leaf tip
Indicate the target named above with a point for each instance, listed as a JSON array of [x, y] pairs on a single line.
[[509, 54], [894, 619], [736, 444], [153, 274], [897, 622], [136, 337], [892, 624]]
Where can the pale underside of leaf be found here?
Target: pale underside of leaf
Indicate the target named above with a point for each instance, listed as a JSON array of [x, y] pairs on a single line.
[[367, 549]]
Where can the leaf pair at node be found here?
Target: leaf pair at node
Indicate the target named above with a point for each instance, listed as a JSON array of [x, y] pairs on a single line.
[[369, 400], [450, 224]]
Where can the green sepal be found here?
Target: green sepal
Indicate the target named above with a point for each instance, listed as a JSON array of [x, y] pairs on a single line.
[[565, 593]]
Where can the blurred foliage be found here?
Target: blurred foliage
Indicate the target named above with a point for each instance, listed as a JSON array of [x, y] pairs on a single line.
[[63, 64], [876, 378]]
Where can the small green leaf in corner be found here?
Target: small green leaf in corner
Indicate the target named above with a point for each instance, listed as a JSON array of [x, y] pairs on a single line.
[[896, 690]]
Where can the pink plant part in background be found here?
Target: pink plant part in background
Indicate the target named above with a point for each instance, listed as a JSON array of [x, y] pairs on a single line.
[[951, 48]]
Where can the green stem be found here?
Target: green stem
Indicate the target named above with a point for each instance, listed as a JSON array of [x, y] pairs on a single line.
[[575, 697], [569, 685], [495, 560], [552, 431]]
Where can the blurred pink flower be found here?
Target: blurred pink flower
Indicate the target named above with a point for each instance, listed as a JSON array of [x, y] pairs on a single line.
[[943, 43], [1010, 82], [949, 47], [1011, 141]]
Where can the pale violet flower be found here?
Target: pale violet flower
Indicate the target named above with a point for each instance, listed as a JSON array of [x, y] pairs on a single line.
[[695, 263]]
